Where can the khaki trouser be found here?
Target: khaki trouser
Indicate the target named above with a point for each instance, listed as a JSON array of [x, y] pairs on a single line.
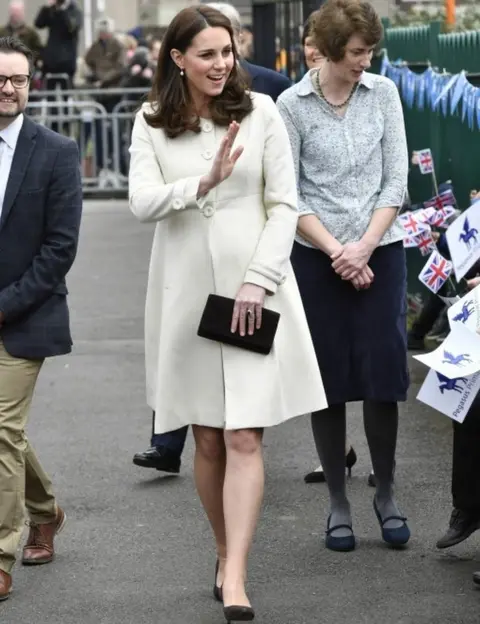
[[23, 482]]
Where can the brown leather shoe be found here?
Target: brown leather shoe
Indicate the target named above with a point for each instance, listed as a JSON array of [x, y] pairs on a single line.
[[5, 585], [39, 547]]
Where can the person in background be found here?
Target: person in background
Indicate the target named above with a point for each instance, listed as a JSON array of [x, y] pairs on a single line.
[[348, 139], [465, 516], [165, 450], [312, 56], [129, 43], [40, 207], [154, 47], [246, 43], [17, 27], [64, 20], [106, 56], [106, 62], [139, 72]]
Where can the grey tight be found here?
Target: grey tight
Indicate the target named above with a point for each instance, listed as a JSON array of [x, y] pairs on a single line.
[[329, 433]]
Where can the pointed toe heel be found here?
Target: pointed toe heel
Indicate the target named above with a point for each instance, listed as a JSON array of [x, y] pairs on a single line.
[[217, 591], [397, 538], [350, 460], [238, 614]]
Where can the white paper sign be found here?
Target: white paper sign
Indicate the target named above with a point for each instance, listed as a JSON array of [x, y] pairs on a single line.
[[452, 397], [463, 238], [466, 311], [458, 356]]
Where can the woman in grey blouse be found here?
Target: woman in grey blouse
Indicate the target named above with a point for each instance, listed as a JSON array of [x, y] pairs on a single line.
[[348, 139]]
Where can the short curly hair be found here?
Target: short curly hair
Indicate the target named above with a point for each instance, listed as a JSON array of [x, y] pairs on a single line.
[[338, 20]]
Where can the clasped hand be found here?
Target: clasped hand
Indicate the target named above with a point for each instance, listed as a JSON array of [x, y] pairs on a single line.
[[351, 264]]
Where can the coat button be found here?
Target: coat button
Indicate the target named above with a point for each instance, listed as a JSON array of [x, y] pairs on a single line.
[[208, 210], [207, 154], [178, 204], [207, 126]]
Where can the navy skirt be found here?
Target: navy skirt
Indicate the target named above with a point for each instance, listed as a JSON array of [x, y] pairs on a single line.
[[360, 337]]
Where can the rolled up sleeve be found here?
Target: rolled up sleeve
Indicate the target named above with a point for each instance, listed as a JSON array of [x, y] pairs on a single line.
[[394, 151], [269, 265]]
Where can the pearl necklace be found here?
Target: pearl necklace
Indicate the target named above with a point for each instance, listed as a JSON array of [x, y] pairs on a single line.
[[334, 106]]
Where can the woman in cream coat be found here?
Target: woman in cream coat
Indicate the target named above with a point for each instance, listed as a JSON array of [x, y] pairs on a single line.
[[226, 220]]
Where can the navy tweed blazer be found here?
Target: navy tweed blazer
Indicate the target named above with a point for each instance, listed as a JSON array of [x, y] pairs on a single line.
[[39, 228]]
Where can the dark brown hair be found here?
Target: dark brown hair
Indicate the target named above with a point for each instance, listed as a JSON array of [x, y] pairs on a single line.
[[169, 95], [338, 20], [11, 45]]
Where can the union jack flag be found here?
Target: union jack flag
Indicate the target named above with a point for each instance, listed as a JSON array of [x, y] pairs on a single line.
[[436, 272], [447, 198], [425, 214], [409, 241], [425, 242], [425, 161], [446, 213], [411, 223]]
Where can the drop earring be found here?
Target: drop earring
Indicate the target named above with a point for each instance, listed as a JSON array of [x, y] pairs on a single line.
[[182, 73]]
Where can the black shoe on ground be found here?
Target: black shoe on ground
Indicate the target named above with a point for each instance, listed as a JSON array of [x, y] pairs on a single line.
[[476, 578], [462, 525], [158, 458]]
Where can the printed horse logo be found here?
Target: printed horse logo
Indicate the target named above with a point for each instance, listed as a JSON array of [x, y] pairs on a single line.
[[450, 384], [456, 360], [467, 310], [468, 234]]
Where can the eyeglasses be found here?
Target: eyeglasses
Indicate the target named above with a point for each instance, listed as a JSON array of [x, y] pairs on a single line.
[[19, 81]]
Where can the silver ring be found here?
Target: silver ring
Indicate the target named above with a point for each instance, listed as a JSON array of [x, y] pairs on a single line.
[[250, 312]]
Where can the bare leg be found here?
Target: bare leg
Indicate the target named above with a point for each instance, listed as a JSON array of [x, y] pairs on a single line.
[[242, 499], [209, 467]]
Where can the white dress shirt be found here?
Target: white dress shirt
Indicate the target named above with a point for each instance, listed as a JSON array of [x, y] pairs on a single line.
[[7, 150]]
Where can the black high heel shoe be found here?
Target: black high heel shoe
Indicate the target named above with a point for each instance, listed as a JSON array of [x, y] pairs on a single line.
[[217, 591], [238, 614], [318, 476], [350, 460]]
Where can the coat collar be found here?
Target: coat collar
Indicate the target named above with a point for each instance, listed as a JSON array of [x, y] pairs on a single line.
[[306, 85]]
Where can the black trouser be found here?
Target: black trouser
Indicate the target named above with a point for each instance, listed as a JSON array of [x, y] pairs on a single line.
[[466, 462]]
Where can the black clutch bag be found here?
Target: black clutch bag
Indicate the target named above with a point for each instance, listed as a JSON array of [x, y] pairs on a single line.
[[217, 319]]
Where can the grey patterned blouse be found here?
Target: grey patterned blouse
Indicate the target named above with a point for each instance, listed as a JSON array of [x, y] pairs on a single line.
[[349, 166]]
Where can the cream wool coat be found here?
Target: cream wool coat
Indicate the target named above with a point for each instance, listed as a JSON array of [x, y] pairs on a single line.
[[241, 231]]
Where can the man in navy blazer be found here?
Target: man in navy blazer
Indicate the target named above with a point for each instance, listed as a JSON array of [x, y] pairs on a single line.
[[40, 210], [165, 450]]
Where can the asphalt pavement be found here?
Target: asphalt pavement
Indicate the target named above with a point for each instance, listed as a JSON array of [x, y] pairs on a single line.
[[137, 548]]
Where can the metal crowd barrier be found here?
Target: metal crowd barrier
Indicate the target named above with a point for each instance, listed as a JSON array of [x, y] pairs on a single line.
[[102, 130]]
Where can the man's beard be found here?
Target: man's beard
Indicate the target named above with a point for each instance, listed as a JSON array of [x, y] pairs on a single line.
[[13, 113]]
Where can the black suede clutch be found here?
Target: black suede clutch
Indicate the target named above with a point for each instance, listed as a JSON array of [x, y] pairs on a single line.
[[217, 319]]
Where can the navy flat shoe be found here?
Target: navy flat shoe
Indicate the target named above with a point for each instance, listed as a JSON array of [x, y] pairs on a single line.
[[340, 544], [394, 537]]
